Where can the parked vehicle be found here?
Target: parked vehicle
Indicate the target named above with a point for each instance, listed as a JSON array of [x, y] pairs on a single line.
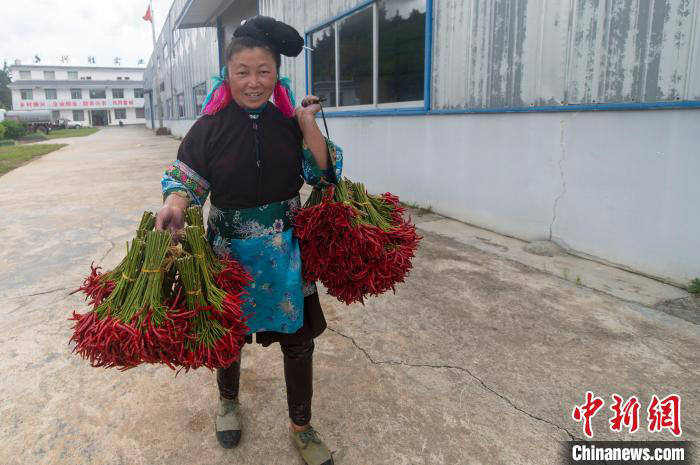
[[35, 120], [74, 124]]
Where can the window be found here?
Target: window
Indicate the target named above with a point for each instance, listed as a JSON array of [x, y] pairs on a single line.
[[120, 113], [25, 74], [162, 86], [138, 93], [140, 113], [73, 75], [181, 105], [119, 78], [50, 94], [98, 93], [200, 93], [26, 94], [78, 115], [117, 93], [379, 57], [55, 114], [169, 108], [126, 78], [50, 75], [165, 50], [76, 94]]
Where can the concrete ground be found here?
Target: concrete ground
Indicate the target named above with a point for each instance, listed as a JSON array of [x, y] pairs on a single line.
[[479, 358]]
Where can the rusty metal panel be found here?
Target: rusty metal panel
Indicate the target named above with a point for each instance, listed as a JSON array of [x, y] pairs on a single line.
[[513, 53]]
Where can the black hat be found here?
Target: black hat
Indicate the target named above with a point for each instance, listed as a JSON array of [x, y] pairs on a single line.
[[282, 36]]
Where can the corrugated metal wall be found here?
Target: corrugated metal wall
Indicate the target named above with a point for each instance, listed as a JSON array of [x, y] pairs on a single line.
[[193, 60], [514, 53], [500, 53]]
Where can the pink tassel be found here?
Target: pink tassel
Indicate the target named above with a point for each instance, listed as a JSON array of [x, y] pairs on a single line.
[[281, 99], [219, 99]]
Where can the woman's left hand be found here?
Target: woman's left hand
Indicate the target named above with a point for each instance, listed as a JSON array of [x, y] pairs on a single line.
[[309, 107]]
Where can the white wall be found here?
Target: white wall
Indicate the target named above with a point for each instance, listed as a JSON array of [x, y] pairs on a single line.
[[622, 186]]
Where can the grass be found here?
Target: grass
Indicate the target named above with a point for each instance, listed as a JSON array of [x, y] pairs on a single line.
[[77, 132], [14, 156], [694, 286]]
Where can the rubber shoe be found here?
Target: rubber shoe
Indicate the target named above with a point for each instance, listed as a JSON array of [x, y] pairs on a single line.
[[228, 423], [311, 447]]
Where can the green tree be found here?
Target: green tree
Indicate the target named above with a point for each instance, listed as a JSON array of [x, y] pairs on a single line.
[[5, 93]]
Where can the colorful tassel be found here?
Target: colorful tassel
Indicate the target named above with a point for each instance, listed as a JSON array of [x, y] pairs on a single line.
[[283, 97], [220, 95]]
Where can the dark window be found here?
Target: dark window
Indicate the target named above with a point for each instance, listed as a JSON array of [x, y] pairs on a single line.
[[117, 93], [50, 94], [26, 94], [323, 64], [200, 93], [78, 115], [162, 86], [138, 93], [119, 78], [73, 75], [98, 93], [169, 108], [401, 50], [76, 94], [181, 105], [355, 58], [119, 113], [140, 113], [50, 75]]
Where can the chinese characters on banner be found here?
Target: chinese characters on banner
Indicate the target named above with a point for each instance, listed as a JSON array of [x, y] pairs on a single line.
[[662, 414], [74, 103]]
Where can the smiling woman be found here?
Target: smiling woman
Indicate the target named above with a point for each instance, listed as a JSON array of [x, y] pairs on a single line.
[[253, 156]]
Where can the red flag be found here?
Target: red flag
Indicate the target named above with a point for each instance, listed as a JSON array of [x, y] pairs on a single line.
[[147, 16]]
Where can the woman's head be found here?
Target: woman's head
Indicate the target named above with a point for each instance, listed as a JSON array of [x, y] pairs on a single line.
[[253, 69]]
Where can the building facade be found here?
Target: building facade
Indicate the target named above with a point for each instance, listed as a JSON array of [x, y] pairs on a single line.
[[94, 96], [571, 120]]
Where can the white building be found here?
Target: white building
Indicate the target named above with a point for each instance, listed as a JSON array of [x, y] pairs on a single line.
[[569, 121], [95, 96]]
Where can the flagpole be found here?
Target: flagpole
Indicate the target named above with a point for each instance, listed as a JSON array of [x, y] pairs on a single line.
[[155, 66]]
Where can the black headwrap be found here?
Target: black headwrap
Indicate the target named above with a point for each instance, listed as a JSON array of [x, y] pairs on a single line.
[[280, 35]]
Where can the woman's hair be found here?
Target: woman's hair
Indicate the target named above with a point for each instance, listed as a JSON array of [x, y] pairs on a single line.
[[246, 42]]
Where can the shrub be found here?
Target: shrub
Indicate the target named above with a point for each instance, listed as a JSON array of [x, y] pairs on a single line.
[[2, 131], [14, 129], [4, 142]]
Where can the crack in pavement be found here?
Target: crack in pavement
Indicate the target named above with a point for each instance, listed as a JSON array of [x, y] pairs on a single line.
[[35, 294], [465, 370]]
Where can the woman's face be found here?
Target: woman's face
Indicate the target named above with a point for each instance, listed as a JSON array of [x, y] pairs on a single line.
[[252, 77]]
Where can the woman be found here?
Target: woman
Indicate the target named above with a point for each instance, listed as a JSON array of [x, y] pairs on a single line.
[[251, 156]]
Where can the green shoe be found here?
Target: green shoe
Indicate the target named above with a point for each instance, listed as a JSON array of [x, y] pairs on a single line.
[[228, 425], [311, 447]]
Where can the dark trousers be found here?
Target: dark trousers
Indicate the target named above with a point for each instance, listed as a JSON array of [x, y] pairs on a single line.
[[297, 375]]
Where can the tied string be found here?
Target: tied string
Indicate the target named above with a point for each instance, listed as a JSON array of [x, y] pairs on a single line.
[[127, 278], [197, 292], [145, 270]]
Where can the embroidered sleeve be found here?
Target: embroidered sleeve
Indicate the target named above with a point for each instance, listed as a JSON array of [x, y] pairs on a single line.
[[180, 177], [314, 175], [189, 172]]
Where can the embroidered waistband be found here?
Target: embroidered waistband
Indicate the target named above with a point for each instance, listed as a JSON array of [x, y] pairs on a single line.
[[246, 223]]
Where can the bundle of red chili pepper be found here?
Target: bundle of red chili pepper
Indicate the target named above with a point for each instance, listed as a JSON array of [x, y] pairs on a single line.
[[355, 243], [177, 305]]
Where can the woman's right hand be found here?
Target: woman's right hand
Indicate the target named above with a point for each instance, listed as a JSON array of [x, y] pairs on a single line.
[[171, 216]]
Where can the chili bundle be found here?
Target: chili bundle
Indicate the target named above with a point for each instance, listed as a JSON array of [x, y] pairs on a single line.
[[177, 305], [355, 243]]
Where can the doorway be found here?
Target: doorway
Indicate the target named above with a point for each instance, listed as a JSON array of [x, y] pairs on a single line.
[[99, 117]]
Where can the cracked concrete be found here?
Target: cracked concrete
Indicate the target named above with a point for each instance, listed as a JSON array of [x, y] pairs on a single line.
[[479, 358]]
